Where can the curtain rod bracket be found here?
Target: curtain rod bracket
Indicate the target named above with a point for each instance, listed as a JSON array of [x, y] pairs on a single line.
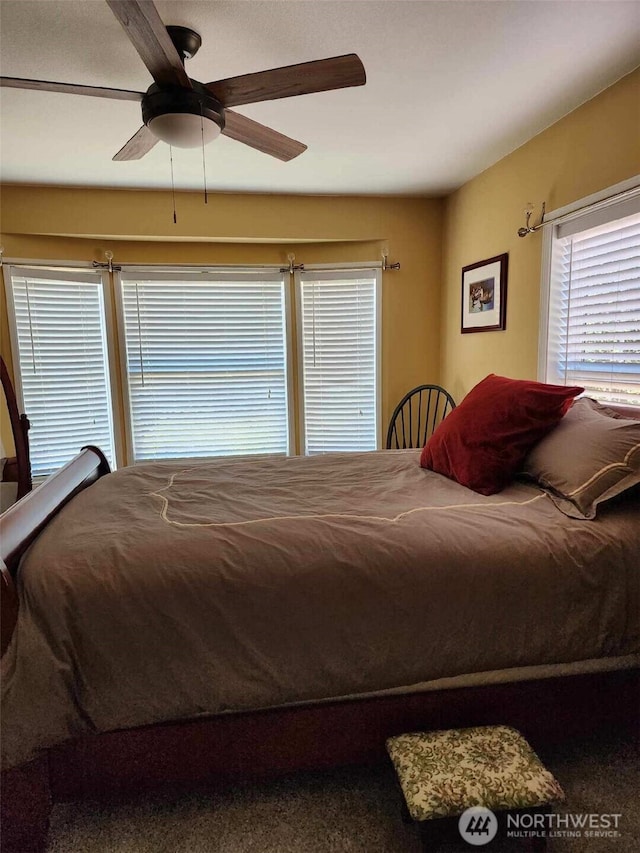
[[292, 266], [109, 266], [530, 229], [385, 261]]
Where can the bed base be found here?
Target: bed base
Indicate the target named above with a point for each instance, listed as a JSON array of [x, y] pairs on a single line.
[[239, 747]]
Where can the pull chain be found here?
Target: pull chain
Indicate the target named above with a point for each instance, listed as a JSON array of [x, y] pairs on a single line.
[[204, 165], [173, 188]]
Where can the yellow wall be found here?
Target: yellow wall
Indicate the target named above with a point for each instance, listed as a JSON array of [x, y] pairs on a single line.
[[79, 224], [592, 148]]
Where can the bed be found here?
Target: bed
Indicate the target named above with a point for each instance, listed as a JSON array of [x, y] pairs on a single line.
[[182, 622]]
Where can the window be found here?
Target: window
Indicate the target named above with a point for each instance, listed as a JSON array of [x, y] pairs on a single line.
[[204, 361], [206, 364], [338, 334], [60, 355], [593, 321]]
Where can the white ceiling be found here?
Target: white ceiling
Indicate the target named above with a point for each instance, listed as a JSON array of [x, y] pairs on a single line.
[[451, 88]]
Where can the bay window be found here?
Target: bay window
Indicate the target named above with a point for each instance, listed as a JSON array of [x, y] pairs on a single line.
[[204, 363]]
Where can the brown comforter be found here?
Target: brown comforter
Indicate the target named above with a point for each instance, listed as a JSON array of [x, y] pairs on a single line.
[[167, 591]]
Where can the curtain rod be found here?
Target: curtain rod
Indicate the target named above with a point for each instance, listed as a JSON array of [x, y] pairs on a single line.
[[603, 202], [182, 267], [292, 268], [23, 263]]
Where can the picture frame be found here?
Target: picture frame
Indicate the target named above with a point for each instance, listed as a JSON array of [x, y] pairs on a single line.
[[484, 295]]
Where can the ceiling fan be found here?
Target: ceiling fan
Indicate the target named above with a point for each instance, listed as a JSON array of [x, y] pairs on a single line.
[[186, 113]]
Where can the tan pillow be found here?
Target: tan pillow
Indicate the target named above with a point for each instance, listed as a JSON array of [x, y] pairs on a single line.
[[592, 455]]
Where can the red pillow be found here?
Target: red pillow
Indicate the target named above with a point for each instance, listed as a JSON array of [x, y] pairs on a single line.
[[483, 442]]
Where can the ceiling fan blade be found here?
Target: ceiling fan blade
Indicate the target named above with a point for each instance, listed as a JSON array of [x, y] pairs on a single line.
[[69, 88], [258, 136], [149, 36], [339, 72], [140, 144]]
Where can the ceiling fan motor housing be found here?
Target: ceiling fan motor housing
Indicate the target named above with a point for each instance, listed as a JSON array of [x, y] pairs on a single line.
[[186, 41], [165, 111]]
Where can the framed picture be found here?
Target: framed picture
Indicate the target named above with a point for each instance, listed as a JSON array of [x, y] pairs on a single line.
[[484, 295]]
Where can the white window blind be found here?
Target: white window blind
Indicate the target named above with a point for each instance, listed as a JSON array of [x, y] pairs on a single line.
[[339, 352], [206, 364], [61, 363], [594, 305]]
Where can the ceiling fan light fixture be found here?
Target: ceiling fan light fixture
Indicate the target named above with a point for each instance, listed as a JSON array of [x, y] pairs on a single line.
[[184, 130], [184, 118]]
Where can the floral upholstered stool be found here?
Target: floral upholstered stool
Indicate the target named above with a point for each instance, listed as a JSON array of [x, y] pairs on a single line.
[[483, 783]]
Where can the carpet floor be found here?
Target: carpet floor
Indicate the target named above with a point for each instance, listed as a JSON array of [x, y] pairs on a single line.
[[346, 810]]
